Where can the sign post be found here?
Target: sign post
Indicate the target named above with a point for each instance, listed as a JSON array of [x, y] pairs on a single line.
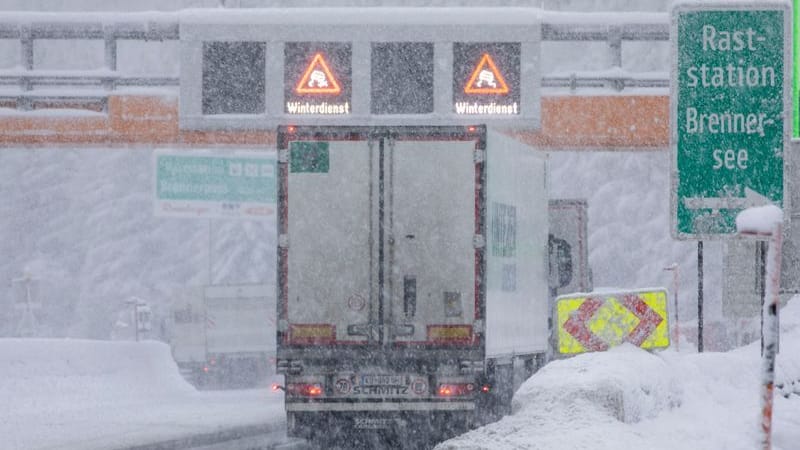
[[767, 223], [676, 333], [27, 289]]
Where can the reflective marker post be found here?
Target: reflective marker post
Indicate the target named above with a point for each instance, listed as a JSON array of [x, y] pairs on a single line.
[[769, 315]]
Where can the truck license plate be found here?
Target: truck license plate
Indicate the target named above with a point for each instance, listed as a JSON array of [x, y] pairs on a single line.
[[379, 385]]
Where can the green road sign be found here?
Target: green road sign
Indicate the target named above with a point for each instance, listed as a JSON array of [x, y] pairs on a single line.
[[729, 112], [796, 70], [238, 185]]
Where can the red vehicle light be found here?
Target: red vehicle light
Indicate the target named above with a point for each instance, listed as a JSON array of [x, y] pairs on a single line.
[[455, 389], [304, 389]]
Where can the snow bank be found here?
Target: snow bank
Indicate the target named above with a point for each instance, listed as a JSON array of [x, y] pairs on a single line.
[[88, 370], [82, 394], [628, 398], [569, 402], [627, 382]]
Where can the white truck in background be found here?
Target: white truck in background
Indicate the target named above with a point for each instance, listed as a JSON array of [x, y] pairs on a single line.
[[569, 242], [224, 336], [412, 277]]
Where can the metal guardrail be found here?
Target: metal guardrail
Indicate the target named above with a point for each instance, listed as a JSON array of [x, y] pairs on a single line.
[[95, 84], [110, 28], [613, 35]]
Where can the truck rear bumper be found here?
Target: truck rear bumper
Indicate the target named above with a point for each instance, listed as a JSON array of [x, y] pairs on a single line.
[[381, 406]]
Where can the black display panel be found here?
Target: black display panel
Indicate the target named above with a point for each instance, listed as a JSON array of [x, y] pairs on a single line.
[[486, 78], [317, 78], [233, 77], [402, 78]]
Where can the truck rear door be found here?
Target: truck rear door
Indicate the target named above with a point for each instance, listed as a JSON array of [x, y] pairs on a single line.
[[433, 222], [325, 278], [377, 238]]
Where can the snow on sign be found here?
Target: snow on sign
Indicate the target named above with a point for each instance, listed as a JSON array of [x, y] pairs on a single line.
[[729, 112], [203, 185], [596, 322]]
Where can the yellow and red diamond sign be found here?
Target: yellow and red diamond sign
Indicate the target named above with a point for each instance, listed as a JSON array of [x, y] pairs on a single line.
[[596, 322]]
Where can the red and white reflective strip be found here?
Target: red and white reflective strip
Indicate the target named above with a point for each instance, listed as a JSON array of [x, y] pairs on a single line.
[[770, 318]]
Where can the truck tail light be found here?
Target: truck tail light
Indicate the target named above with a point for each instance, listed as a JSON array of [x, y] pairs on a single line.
[[312, 333], [455, 389], [450, 334], [304, 389]]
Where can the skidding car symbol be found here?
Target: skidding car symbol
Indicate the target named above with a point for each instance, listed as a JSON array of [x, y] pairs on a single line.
[[486, 76], [317, 77]]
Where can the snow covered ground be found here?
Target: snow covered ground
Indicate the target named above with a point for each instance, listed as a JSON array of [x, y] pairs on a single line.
[[80, 221], [628, 398], [82, 394], [85, 395]]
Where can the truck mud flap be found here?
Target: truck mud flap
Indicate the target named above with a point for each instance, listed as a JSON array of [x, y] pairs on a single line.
[[386, 430]]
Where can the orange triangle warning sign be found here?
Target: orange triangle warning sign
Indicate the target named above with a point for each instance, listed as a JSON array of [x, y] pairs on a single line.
[[318, 78], [486, 78]]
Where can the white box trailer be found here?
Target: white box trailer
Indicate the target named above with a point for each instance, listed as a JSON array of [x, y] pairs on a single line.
[[412, 275], [569, 218], [224, 335]]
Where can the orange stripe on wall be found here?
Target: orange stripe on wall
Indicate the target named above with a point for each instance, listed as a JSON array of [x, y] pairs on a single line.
[[568, 122], [602, 122]]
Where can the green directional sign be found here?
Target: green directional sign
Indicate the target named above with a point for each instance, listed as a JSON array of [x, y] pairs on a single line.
[[729, 113], [238, 185]]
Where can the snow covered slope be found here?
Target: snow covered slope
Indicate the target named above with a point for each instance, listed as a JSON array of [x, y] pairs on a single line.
[[629, 224]]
